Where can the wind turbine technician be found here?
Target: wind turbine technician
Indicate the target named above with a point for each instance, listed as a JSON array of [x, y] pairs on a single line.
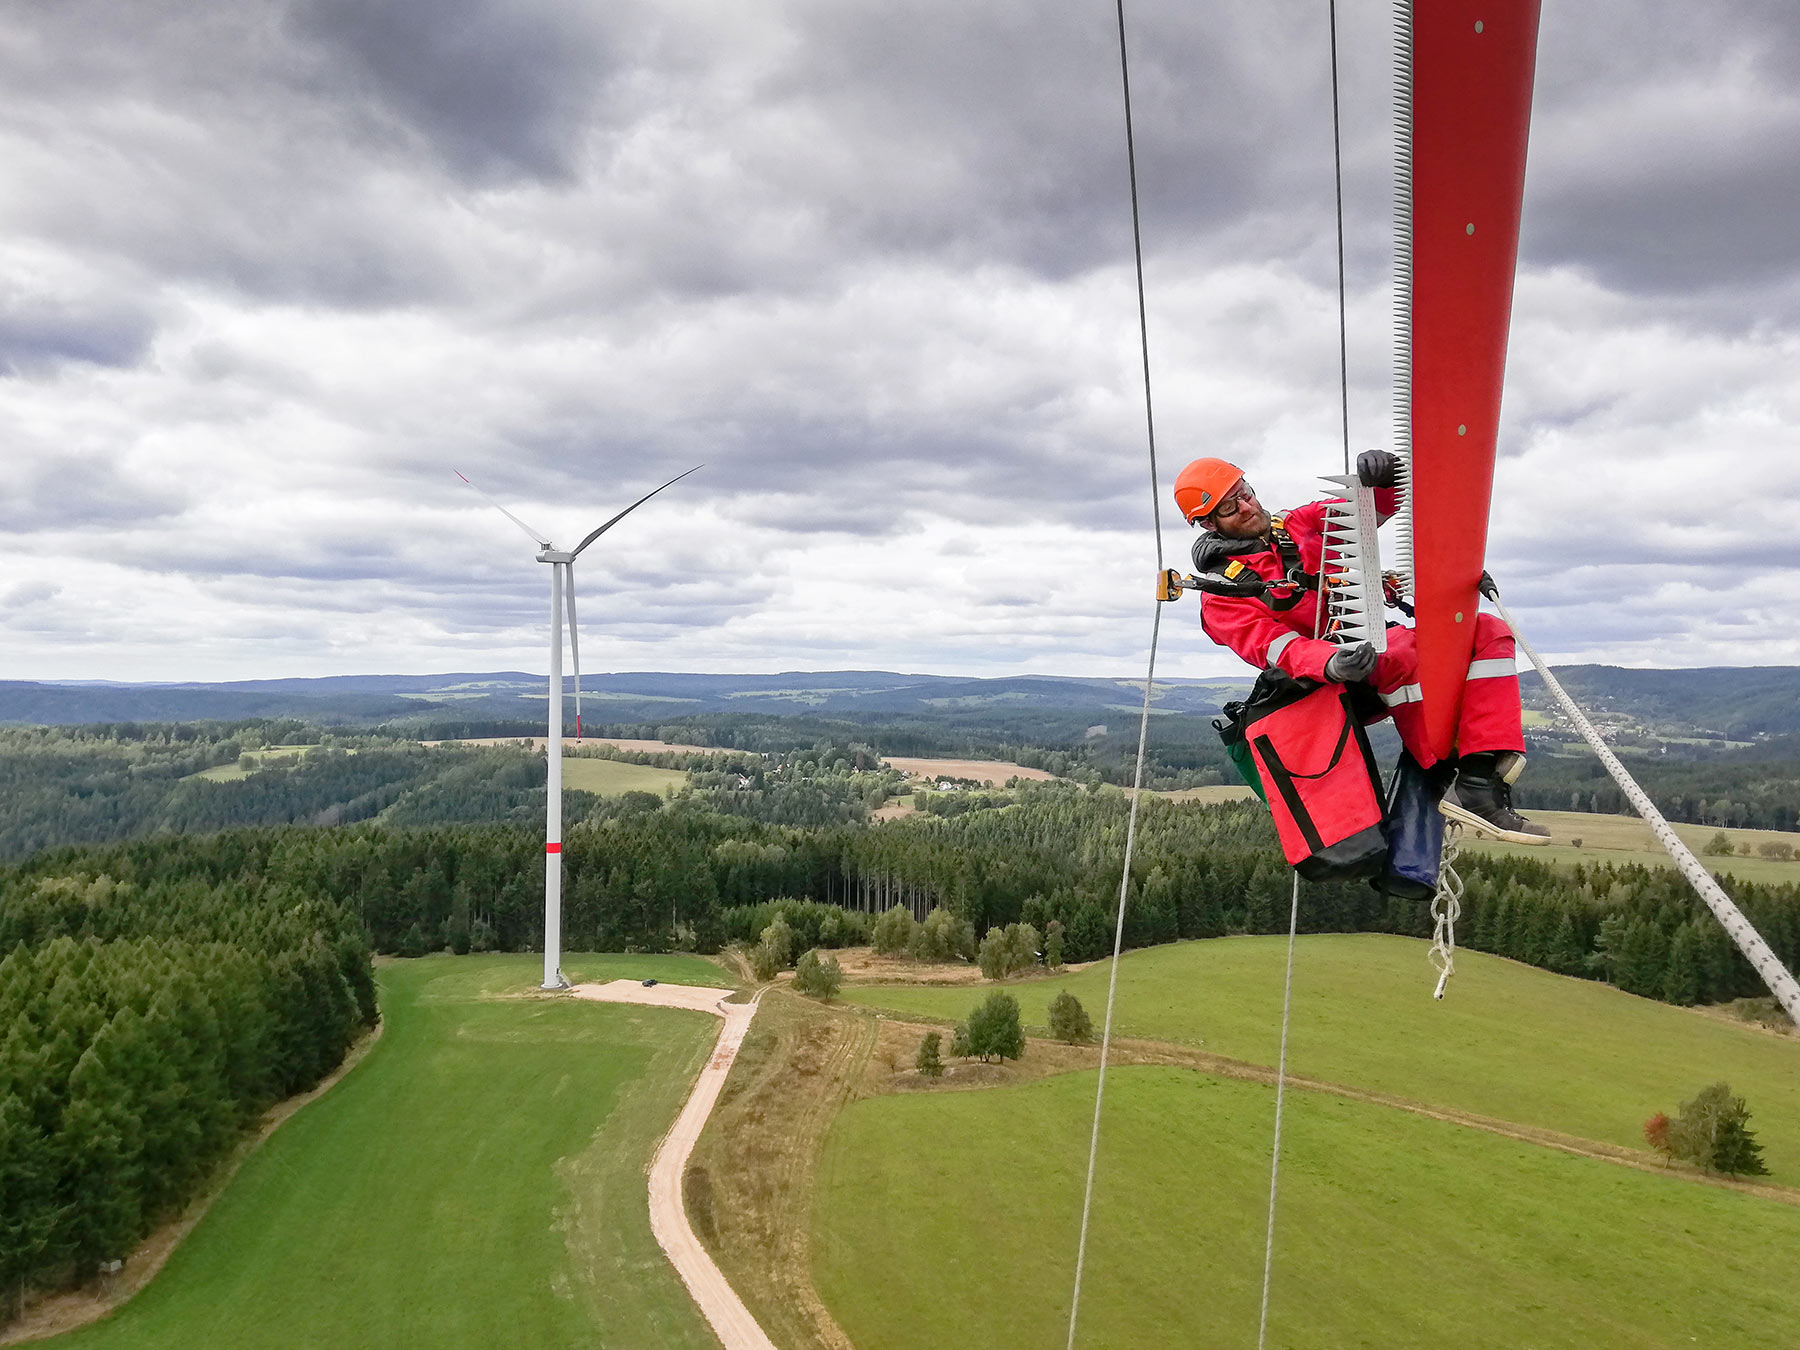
[[1276, 631]]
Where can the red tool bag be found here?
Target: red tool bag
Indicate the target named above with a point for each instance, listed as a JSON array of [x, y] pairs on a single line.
[[1322, 784]]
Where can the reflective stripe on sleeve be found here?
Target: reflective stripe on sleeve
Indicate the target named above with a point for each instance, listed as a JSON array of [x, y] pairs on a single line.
[[1493, 669], [1406, 693], [1278, 646]]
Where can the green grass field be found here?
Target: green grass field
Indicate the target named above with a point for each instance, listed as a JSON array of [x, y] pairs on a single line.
[[1507, 1041], [1627, 839], [614, 777], [478, 1180], [274, 754], [1393, 1229]]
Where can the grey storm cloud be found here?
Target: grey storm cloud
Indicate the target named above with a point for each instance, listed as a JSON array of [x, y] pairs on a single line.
[[269, 269], [499, 89]]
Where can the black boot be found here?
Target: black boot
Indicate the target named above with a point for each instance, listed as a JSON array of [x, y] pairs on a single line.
[[1482, 798]]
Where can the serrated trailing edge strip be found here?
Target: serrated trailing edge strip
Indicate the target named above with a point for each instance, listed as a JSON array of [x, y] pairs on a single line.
[[1403, 286], [1350, 565]]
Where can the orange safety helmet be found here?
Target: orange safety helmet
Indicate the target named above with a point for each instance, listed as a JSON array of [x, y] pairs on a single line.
[[1199, 487]]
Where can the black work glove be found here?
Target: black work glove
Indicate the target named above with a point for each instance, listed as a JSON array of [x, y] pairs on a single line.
[[1376, 468], [1355, 662]]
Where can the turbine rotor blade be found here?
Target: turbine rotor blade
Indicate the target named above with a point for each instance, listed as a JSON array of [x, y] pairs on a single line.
[[634, 506], [574, 643], [537, 536]]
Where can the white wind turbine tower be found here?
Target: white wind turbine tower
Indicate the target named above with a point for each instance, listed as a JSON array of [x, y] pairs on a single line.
[[562, 582]]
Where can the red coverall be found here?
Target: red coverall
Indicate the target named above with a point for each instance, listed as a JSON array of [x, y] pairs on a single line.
[[1490, 718]]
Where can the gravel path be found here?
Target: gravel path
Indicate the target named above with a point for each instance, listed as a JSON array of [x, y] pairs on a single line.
[[717, 1300]]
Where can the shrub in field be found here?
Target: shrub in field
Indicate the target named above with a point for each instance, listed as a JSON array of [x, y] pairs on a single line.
[[770, 954], [1719, 846], [893, 932], [1777, 850], [1713, 1132], [1005, 951], [930, 1062], [1053, 944], [1021, 947], [1069, 1021], [943, 937], [818, 977], [992, 954], [1656, 1134], [993, 1030]]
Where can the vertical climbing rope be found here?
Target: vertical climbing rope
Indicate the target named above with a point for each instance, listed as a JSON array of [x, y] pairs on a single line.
[[1287, 1003], [1287, 986], [1137, 790]]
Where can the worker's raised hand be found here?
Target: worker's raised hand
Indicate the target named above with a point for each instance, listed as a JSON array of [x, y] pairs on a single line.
[[1355, 662], [1377, 468]]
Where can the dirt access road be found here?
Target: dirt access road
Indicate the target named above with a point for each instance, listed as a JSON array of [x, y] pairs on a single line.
[[717, 1300]]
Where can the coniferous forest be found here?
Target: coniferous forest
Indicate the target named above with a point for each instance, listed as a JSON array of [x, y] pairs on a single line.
[[154, 1006]]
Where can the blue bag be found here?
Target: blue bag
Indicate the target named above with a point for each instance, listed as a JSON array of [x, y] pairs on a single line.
[[1415, 829]]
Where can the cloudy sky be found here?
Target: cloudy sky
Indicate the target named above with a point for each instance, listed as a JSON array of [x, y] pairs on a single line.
[[270, 271]]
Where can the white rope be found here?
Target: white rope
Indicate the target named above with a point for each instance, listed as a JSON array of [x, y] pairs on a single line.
[[1137, 789], [1287, 1003], [1112, 983], [1781, 983], [1446, 909]]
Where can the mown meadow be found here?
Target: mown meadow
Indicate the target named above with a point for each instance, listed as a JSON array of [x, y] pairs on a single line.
[[1507, 1040], [478, 1179], [1394, 1229]]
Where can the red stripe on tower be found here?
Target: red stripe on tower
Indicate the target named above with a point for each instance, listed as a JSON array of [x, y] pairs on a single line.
[[1471, 109], [553, 848]]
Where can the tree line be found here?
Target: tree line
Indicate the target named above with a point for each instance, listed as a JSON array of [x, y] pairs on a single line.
[[151, 1015]]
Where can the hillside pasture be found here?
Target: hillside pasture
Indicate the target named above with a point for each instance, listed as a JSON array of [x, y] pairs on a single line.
[[1393, 1230], [1627, 839], [614, 777], [477, 1180], [1508, 1041]]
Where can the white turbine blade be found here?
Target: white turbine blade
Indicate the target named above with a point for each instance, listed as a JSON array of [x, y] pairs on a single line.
[[634, 506], [537, 536], [574, 642]]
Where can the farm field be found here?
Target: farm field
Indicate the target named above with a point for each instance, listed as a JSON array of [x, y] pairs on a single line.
[[1393, 1229], [1508, 1041], [1621, 839], [613, 777], [993, 772], [1217, 792], [478, 1180]]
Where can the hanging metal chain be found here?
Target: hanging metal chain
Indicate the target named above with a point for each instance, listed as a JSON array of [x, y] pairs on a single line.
[[1446, 909]]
